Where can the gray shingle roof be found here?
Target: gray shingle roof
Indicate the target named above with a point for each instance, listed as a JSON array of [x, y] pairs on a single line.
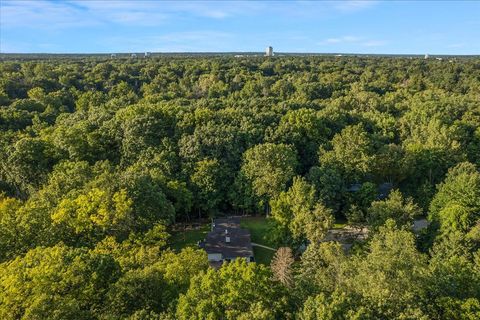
[[240, 243]]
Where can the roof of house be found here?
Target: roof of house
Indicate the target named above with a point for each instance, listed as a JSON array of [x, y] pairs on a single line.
[[354, 187], [221, 224], [383, 189], [419, 224], [216, 241]]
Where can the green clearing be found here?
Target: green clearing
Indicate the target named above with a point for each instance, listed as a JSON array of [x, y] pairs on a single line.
[[262, 255], [258, 227], [188, 238], [339, 224]]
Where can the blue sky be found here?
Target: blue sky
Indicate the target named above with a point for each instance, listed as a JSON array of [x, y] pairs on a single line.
[[90, 26]]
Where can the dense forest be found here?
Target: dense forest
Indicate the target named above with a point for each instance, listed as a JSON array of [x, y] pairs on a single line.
[[100, 158]]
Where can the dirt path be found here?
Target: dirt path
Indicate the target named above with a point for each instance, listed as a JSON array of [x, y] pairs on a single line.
[[262, 246]]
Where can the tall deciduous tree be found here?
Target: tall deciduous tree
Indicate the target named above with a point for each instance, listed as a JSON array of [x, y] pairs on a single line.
[[395, 207], [322, 266], [95, 214], [390, 275], [456, 206], [206, 179], [352, 152], [298, 215], [269, 167]]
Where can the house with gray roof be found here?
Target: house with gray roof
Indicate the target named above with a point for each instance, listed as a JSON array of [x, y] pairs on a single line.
[[227, 241], [383, 189]]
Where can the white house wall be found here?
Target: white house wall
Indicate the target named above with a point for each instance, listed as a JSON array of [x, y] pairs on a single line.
[[215, 257]]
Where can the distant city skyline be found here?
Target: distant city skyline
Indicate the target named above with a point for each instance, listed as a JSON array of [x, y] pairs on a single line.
[[376, 27]]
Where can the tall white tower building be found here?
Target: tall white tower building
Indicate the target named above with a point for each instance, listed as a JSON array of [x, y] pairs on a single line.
[[269, 52]]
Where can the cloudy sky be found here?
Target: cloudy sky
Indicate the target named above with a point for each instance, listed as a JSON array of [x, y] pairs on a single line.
[[91, 26]]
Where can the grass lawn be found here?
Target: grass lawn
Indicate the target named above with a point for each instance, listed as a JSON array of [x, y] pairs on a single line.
[[262, 255], [258, 227], [339, 224], [189, 238]]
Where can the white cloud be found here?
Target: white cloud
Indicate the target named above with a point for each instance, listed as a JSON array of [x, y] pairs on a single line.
[[343, 39], [77, 13], [41, 14], [200, 40], [169, 9], [362, 41], [53, 20], [194, 36], [55, 15]]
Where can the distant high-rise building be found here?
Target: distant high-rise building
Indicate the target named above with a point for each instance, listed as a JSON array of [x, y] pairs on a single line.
[[269, 52], [426, 56], [147, 54]]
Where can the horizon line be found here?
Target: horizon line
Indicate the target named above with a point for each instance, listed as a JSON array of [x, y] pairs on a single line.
[[233, 52]]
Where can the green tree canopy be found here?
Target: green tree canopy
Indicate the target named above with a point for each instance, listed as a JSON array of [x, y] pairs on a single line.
[[395, 207], [269, 167], [237, 290], [56, 283], [456, 206]]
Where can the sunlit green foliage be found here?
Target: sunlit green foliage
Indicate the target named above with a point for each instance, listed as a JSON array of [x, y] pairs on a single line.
[[99, 158], [238, 290]]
